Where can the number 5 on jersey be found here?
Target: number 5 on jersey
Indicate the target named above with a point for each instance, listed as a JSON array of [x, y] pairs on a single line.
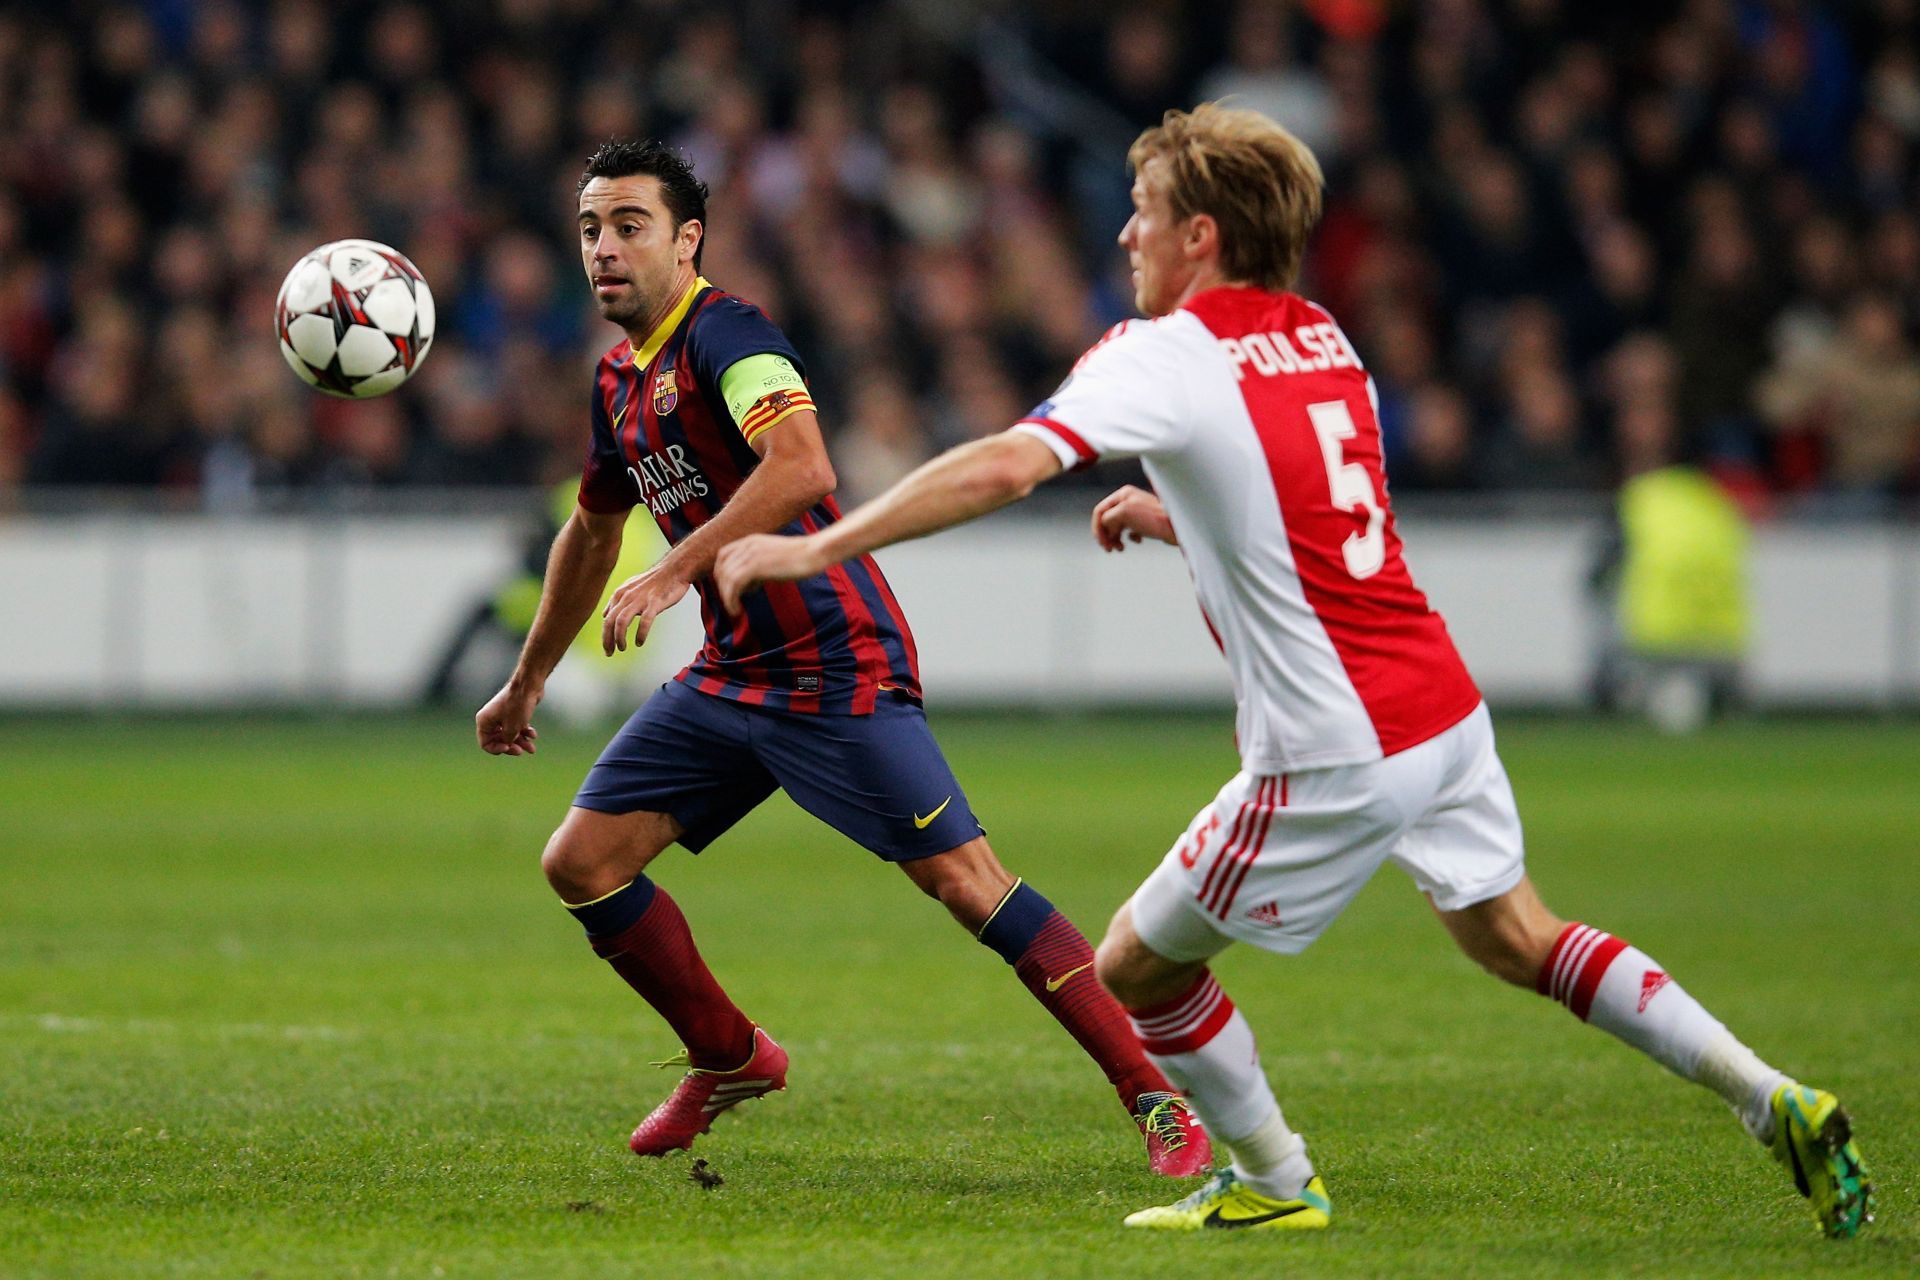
[[1350, 487]]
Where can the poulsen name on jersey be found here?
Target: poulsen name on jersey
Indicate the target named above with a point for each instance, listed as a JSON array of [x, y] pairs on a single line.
[[1274, 353]]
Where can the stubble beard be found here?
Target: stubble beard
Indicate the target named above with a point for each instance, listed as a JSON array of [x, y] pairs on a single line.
[[628, 309]]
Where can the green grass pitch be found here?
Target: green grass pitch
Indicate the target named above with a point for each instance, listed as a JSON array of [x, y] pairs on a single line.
[[287, 998]]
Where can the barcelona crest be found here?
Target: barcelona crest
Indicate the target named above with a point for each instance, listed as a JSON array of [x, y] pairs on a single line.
[[666, 392]]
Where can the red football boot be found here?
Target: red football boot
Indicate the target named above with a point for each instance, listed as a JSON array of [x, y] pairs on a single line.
[[689, 1110], [1176, 1144]]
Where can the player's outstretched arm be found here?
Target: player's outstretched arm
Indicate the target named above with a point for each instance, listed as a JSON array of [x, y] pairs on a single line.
[[959, 485], [1131, 514], [582, 558]]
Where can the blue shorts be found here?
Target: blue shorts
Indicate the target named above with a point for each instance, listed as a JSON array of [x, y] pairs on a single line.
[[878, 779]]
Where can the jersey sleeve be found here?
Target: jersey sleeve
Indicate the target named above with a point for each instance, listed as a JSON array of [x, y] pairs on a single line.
[[1126, 398], [605, 486], [730, 331]]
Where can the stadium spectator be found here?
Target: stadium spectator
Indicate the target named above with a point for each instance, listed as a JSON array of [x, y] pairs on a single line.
[[1439, 451], [882, 442], [1721, 310], [909, 194], [1262, 71], [1541, 441], [1858, 395]]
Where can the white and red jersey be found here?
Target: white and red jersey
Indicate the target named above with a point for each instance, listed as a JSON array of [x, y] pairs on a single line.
[[1256, 424]]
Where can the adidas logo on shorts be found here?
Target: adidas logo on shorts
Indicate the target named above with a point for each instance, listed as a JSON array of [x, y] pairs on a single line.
[[1267, 913]]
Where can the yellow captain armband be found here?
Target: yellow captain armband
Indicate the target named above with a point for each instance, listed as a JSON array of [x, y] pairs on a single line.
[[762, 390]]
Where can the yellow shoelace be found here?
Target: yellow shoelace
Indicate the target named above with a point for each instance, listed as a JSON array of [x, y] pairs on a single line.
[[1163, 1124]]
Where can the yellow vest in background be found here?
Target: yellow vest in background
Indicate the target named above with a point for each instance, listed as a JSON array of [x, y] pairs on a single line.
[[1683, 580], [640, 548]]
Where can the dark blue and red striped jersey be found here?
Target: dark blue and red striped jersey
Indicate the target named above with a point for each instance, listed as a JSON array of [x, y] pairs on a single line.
[[663, 438]]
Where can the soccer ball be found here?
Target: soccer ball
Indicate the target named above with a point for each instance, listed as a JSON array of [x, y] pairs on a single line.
[[355, 318]]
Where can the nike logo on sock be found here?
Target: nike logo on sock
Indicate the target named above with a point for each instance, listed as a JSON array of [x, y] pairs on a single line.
[[1054, 984]]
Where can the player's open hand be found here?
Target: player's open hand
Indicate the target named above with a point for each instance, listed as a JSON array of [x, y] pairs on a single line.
[[760, 558], [1131, 514], [504, 726], [636, 604]]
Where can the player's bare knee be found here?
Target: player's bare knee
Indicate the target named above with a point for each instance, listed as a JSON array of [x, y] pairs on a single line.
[[579, 867], [591, 853], [563, 864]]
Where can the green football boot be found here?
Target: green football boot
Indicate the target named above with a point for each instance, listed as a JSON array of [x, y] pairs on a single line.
[[1813, 1138], [1223, 1202]]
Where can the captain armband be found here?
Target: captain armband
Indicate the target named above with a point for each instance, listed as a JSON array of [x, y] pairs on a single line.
[[761, 391]]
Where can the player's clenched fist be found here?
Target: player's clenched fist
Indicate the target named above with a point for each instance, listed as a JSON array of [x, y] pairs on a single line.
[[636, 604], [1130, 512], [504, 725], [763, 557]]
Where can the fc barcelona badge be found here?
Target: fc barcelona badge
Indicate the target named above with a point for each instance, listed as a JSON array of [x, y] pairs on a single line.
[[666, 392]]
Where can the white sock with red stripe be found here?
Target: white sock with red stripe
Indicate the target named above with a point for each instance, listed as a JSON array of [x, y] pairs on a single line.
[[1204, 1045], [1620, 989]]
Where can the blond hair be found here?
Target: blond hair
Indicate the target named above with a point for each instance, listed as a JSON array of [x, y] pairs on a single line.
[[1257, 181]]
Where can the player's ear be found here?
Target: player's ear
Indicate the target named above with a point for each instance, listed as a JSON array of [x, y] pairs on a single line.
[[688, 237], [1202, 238]]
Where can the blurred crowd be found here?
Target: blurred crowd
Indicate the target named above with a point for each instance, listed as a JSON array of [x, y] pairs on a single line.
[[1572, 241]]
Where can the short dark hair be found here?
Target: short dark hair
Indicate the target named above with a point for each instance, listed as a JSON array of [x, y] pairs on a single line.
[[685, 195]]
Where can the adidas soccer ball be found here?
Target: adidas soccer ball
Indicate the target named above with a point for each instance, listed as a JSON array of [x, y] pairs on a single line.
[[355, 318]]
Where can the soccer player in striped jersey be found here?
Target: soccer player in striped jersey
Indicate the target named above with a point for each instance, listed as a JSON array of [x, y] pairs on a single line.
[[702, 416], [1362, 737]]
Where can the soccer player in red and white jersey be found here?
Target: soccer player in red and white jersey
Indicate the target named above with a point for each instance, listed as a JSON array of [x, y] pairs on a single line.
[[1362, 737]]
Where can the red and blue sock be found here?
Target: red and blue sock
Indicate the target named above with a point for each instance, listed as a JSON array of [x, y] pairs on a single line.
[[1055, 963], [639, 930]]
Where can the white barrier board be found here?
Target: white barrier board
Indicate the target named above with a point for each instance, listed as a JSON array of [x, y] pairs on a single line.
[[184, 611]]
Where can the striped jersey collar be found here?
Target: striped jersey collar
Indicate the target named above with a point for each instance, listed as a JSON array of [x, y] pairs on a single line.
[[643, 354]]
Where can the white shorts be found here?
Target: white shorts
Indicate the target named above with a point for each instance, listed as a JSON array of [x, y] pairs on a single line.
[[1275, 858]]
